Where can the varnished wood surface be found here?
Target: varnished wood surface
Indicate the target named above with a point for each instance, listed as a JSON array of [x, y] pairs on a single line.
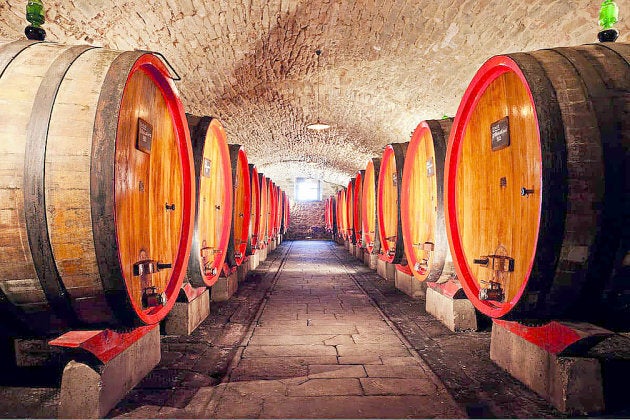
[[254, 219], [357, 208], [421, 205], [350, 211], [214, 201], [342, 221], [63, 151], [388, 202], [264, 210], [561, 236], [369, 209], [241, 207]]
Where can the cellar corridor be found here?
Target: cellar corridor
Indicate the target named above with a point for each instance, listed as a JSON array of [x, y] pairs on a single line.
[[314, 333]]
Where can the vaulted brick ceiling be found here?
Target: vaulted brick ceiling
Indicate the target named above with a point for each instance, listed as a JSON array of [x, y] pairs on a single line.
[[385, 65]]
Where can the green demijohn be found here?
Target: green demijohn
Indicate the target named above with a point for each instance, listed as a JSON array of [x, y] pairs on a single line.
[[608, 16], [35, 16]]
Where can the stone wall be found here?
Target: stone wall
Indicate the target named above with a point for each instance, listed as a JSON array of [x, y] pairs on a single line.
[[307, 221]]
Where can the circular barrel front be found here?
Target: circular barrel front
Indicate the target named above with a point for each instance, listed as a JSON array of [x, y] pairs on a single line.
[[254, 219], [327, 214], [369, 214], [264, 211], [285, 213], [350, 212], [242, 193], [357, 208], [279, 208], [273, 208], [536, 180], [342, 214], [97, 186], [214, 200], [388, 199], [421, 201]]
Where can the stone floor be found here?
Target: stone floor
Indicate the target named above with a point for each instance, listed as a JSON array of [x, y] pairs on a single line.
[[315, 333]]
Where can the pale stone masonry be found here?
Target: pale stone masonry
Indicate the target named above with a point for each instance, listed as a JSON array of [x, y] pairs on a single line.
[[385, 65], [320, 348]]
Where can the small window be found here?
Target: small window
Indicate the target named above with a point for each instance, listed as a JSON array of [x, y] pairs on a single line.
[[307, 189]]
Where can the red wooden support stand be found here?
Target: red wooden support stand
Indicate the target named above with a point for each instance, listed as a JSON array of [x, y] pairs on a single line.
[[448, 303], [550, 359], [190, 310], [407, 283], [106, 365]]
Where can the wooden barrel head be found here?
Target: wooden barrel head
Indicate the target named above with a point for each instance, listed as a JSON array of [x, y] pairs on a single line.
[[342, 220], [388, 199], [254, 221], [357, 208], [350, 211], [369, 214], [532, 214], [106, 189], [237, 245], [421, 200], [214, 201], [263, 239]]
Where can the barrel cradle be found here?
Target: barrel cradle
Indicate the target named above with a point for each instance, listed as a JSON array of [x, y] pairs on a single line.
[[254, 220], [214, 200], [537, 180], [388, 199], [242, 192], [357, 208], [422, 205], [350, 235], [97, 186], [369, 213]]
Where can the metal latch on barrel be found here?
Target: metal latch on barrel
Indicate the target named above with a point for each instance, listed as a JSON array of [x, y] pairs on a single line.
[[422, 266], [500, 266], [151, 297]]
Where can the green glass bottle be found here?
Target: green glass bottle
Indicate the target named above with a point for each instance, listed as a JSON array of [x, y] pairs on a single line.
[[35, 16], [608, 16]]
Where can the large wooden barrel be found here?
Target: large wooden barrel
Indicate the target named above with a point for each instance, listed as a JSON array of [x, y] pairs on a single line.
[[254, 219], [285, 213], [242, 193], [369, 213], [537, 180], [264, 211], [422, 203], [357, 208], [350, 212], [214, 200], [96, 175], [273, 208], [342, 214], [279, 208], [388, 199]]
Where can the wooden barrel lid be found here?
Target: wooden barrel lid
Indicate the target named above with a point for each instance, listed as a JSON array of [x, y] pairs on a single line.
[[214, 200], [369, 214], [421, 201], [388, 198], [350, 212], [80, 238], [237, 245], [357, 208], [254, 220], [535, 140]]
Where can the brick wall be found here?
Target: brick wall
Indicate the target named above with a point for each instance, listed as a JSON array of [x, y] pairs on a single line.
[[307, 221]]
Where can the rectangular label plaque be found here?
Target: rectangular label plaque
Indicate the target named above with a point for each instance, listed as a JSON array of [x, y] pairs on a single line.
[[145, 136], [500, 134], [430, 167], [207, 166]]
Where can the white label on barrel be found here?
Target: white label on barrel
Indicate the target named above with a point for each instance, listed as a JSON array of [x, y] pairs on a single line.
[[430, 167], [145, 136], [207, 165], [500, 134]]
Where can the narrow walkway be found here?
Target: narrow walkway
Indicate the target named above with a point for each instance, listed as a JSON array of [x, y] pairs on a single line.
[[320, 348]]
